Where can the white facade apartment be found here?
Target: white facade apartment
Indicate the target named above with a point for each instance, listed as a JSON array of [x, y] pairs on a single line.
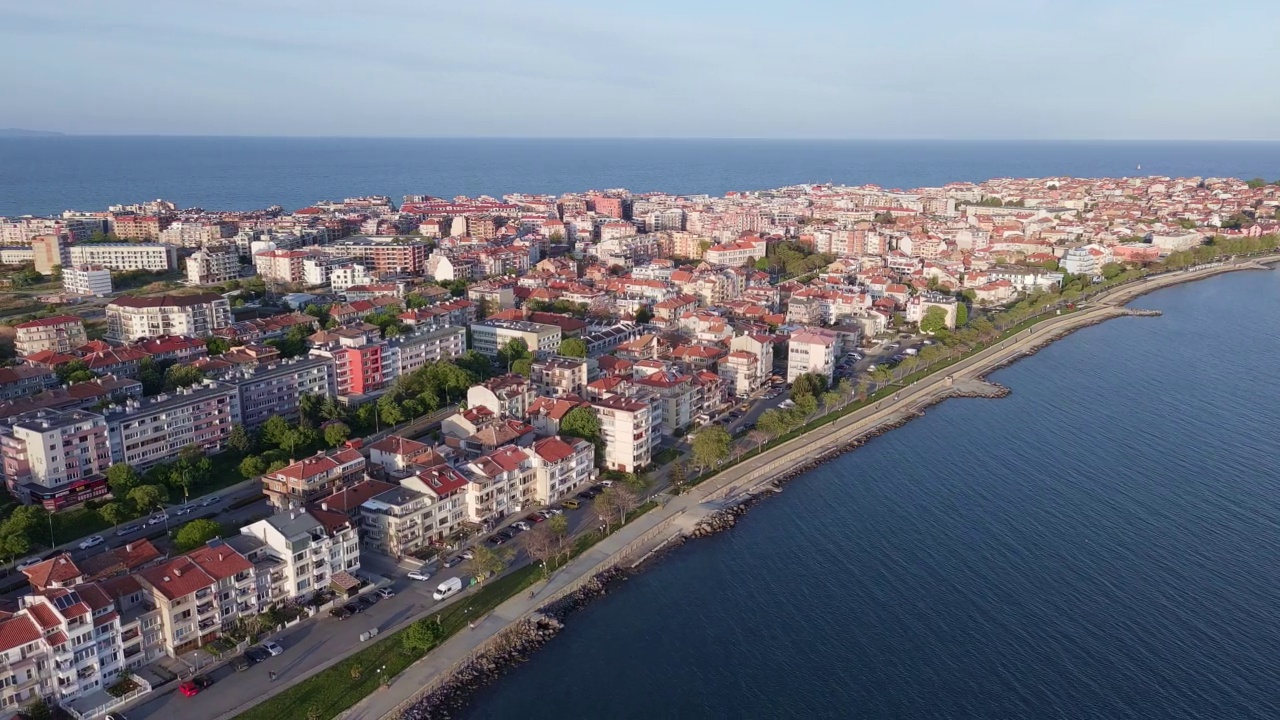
[[406, 354], [143, 433], [349, 275], [630, 429], [87, 280], [134, 318], [280, 265], [310, 556], [126, 256], [213, 264], [561, 465], [63, 333], [500, 484], [49, 448], [489, 336], [811, 351]]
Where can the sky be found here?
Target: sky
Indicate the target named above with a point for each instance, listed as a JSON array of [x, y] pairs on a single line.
[[981, 69]]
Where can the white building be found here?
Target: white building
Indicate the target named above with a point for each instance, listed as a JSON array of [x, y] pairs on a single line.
[[133, 318], [53, 456], [1082, 261], [310, 554], [145, 432], [87, 280], [489, 336], [126, 256], [561, 466], [408, 353], [811, 350], [213, 264], [630, 429]]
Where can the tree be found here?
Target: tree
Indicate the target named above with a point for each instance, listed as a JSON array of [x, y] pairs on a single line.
[[389, 411], [122, 478], [487, 561], [644, 315], [196, 533], [831, 400], [1111, 270], [216, 345], [309, 408], [962, 314], [239, 439], [573, 347], [677, 475], [37, 711], [806, 405], [421, 636], [623, 500], [253, 466], [541, 545], [523, 367], [602, 507], [114, 513], [275, 430], [513, 350], [148, 497], [773, 422], [811, 384], [558, 526], [76, 368], [711, 445], [336, 433], [935, 319]]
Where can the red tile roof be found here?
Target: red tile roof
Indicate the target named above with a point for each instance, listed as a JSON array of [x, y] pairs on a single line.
[[47, 322], [177, 578], [220, 561], [58, 569], [16, 632]]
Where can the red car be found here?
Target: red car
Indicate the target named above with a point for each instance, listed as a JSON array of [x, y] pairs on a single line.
[[192, 687]]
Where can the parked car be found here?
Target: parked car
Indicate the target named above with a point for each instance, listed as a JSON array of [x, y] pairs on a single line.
[[368, 600], [209, 501], [497, 540], [419, 575], [572, 504], [452, 561], [192, 687], [127, 530], [340, 612], [184, 510], [273, 647], [534, 518], [353, 608], [29, 562], [256, 655], [522, 524], [91, 541], [386, 593], [606, 483], [158, 518], [467, 555], [239, 663]]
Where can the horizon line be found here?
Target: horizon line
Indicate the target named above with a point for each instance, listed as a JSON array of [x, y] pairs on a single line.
[[54, 135]]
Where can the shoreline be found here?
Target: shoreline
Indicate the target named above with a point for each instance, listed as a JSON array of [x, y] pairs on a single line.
[[715, 505]]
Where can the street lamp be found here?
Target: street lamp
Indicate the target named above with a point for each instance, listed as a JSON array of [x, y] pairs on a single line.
[[52, 543]]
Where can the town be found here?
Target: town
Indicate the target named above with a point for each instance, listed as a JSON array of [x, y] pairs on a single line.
[[216, 423]]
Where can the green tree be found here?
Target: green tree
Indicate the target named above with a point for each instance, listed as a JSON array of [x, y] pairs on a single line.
[[514, 349], [309, 407], [811, 384], [336, 433], [252, 466], [711, 445], [151, 375], [558, 526], [1256, 183], [643, 316], [523, 367], [935, 319], [122, 478], [239, 439], [582, 422], [487, 561], [148, 497], [389, 411], [678, 475], [573, 347], [831, 399], [421, 636], [114, 513], [216, 345], [66, 370], [196, 533], [275, 430], [1111, 270], [962, 314], [180, 376], [37, 711]]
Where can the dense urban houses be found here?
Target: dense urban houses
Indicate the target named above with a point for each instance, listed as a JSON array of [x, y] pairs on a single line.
[[312, 478], [135, 318], [60, 334]]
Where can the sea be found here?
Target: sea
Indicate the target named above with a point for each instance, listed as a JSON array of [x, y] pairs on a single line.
[[41, 176], [1103, 543]]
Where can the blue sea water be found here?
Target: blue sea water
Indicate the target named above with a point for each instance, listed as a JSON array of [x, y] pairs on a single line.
[[48, 175], [1103, 543]]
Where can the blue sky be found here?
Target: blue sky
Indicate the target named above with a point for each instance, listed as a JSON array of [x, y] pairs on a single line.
[[982, 69]]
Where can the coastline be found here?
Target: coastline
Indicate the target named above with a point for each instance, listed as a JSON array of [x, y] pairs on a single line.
[[714, 505]]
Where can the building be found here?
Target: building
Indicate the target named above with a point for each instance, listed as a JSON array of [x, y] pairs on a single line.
[[489, 336], [49, 252], [214, 264], [744, 251], [919, 305], [312, 478], [311, 556], [561, 466], [675, 394], [504, 396], [1079, 261], [87, 280], [811, 350], [152, 430], [138, 227], [55, 458], [630, 429], [499, 484], [284, 266], [126, 256], [396, 454], [385, 255], [200, 315], [21, 381], [394, 521], [407, 353], [61, 334], [277, 388], [200, 595], [560, 377]]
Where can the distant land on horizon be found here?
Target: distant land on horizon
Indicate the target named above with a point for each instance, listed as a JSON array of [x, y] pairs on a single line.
[[22, 132]]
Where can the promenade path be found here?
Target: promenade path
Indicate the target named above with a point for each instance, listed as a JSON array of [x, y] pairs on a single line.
[[683, 511]]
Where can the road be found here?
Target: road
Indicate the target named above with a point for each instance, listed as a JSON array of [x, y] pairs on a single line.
[[322, 640]]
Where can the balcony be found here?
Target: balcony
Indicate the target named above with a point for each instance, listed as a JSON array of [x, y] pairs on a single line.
[[204, 608]]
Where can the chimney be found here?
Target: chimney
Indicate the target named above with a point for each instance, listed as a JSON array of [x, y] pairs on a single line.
[[128, 547], [220, 557], [177, 572], [324, 506]]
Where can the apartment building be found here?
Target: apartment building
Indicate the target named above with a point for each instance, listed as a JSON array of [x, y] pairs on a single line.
[[61, 334], [312, 478], [561, 467], [277, 388], [396, 454], [630, 429], [489, 336], [284, 266], [388, 255], [214, 264], [407, 353], [153, 430], [132, 318], [504, 396], [736, 254], [749, 363], [193, 234], [811, 350], [499, 484], [311, 555], [55, 457], [92, 280], [357, 360], [138, 227], [200, 595], [155, 257], [50, 251], [675, 393], [560, 377], [447, 489], [349, 275], [394, 521], [24, 380]]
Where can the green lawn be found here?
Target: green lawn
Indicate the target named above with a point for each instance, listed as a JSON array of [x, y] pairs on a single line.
[[664, 456]]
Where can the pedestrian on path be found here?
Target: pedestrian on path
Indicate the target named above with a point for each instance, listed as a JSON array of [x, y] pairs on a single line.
[[272, 675], [472, 624]]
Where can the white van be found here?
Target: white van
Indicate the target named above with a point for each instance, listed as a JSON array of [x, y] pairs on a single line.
[[447, 588]]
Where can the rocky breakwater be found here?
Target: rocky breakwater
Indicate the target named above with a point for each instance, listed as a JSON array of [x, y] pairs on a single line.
[[514, 645], [593, 588], [719, 521]]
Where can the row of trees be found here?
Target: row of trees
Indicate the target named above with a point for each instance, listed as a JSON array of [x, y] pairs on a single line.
[[793, 259]]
